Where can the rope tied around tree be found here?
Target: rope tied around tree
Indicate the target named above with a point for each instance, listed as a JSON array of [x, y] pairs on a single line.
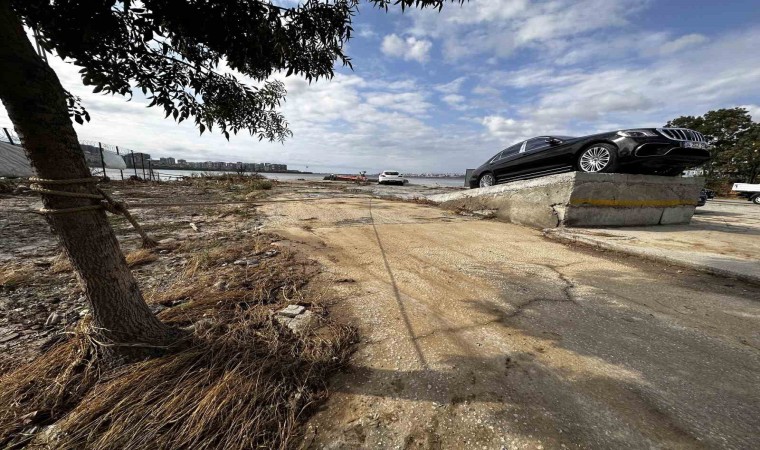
[[106, 202]]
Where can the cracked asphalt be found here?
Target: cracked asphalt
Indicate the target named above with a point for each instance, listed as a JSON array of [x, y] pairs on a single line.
[[481, 334]]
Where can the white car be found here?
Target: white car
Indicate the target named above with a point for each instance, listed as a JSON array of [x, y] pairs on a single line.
[[749, 191], [391, 177]]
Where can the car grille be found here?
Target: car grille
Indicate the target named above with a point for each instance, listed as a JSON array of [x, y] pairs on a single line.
[[682, 134]]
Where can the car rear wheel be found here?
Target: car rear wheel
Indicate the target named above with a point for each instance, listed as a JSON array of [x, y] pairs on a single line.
[[486, 180], [756, 199], [598, 158]]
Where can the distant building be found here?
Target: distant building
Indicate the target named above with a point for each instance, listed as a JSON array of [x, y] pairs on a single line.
[[136, 159], [91, 155]]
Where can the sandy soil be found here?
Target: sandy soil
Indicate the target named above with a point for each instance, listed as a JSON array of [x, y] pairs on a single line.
[[36, 310], [722, 237], [480, 334]]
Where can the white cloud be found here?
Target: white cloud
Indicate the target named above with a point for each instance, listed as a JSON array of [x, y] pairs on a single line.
[[456, 101], [452, 86], [683, 42], [754, 111], [409, 49], [408, 102], [366, 31], [500, 27], [720, 73], [508, 129]]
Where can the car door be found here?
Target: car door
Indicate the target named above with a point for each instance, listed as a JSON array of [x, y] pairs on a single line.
[[542, 156], [522, 157], [502, 165]]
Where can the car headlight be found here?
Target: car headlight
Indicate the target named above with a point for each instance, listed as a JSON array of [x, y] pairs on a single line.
[[636, 133]]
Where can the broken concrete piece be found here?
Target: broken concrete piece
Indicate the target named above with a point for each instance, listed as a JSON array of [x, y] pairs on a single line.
[[298, 324], [52, 320], [291, 311], [302, 322], [194, 227], [246, 262], [9, 336]]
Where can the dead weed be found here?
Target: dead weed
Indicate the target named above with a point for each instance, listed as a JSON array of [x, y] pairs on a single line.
[[140, 257], [243, 380], [13, 275]]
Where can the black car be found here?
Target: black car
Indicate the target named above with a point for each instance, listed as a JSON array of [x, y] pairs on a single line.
[[702, 201], [656, 151]]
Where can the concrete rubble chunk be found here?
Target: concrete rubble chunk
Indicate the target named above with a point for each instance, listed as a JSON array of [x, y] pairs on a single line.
[[52, 320], [246, 262], [297, 318], [291, 311], [9, 336], [302, 322]]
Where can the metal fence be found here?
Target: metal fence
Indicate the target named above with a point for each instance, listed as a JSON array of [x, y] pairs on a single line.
[[103, 158]]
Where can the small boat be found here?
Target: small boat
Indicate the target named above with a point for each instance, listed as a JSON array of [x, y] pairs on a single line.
[[354, 178]]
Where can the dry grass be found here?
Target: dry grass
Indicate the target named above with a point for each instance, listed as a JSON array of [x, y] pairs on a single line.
[[14, 275], [242, 381], [61, 264], [140, 257], [38, 393], [243, 384]]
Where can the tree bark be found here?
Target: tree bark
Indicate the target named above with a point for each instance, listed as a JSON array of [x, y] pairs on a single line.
[[36, 104]]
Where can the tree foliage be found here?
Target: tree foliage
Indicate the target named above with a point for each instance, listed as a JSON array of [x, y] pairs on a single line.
[[735, 139], [176, 52]]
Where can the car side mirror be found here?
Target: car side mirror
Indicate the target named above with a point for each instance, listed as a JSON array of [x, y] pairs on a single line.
[[553, 141]]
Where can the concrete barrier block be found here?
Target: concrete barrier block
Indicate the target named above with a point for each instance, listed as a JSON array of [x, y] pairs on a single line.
[[678, 215], [584, 199], [595, 216]]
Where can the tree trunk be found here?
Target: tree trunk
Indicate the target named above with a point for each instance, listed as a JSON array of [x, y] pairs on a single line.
[[36, 104]]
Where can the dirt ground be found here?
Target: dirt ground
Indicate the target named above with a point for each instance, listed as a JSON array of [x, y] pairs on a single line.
[[481, 334], [722, 237], [42, 299], [474, 333]]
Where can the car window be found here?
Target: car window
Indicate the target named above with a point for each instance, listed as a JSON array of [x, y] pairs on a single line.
[[506, 152], [513, 149], [391, 173], [536, 143]]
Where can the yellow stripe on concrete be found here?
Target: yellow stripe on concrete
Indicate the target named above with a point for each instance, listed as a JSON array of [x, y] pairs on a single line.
[[630, 203]]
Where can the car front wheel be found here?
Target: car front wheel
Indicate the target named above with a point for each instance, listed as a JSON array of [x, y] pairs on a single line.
[[599, 158], [756, 199], [486, 180]]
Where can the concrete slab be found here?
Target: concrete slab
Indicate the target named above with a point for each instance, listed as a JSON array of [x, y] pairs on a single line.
[[584, 200], [722, 239], [291, 311]]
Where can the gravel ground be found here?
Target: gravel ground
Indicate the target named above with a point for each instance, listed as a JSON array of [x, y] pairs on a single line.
[[481, 334], [475, 333], [45, 300]]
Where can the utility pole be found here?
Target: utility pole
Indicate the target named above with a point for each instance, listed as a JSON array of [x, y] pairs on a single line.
[[134, 166], [102, 160], [10, 139], [120, 171], [142, 163]]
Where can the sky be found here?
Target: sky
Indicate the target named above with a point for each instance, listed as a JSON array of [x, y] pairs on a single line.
[[442, 92]]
